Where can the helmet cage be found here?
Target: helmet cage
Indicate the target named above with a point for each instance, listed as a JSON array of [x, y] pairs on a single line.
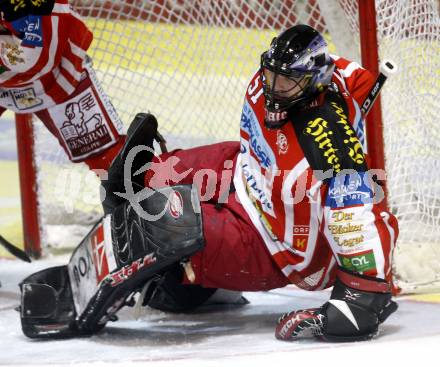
[[297, 85], [295, 69]]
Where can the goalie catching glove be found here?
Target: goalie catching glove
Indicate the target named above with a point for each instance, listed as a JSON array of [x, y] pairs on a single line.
[[358, 304], [140, 137]]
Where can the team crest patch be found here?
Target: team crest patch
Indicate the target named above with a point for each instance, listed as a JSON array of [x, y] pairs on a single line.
[[11, 54], [282, 143], [300, 237]]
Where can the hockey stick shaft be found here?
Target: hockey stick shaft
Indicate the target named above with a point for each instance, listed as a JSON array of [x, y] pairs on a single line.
[[14, 250], [387, 67]]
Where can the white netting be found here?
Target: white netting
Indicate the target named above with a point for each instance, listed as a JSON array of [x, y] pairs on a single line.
[[188, 62], [410, 34]]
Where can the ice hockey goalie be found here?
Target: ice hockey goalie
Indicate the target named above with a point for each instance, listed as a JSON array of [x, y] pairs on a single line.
[[293, 202]]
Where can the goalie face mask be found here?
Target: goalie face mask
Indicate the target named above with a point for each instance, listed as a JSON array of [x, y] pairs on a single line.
[[295, 69]]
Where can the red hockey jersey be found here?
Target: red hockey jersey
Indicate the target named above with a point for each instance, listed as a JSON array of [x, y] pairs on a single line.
[[44, 70], [44, 52], [311, 222]]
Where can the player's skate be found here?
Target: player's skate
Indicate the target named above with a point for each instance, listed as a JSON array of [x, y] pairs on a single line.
[[357, 306]]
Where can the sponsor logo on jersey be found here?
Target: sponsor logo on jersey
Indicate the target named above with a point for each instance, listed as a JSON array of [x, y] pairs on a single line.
[[175, 204], [275, 116], [341, 216], [257, 142], [30, 27], [253, 187], [340, 229], [360, 262], [300, 243], [282, 143], [348, 242], [25, 99], [243, 148], [301, 230], [85, 128], [354, 146], [348, 228], [349, 190]]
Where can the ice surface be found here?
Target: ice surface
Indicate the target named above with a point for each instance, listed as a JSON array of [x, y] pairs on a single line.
[[240, 336]]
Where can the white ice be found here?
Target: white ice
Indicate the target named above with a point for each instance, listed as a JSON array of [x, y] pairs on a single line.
[[241, 336]]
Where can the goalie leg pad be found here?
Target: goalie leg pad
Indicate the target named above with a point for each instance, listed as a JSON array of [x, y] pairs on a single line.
[[144, 247], [47, 308], [101, 277]]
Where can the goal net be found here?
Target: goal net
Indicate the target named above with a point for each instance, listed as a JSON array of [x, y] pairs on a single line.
[[189, 62]]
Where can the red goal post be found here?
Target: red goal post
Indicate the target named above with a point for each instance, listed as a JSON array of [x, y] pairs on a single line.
[[181, 52]]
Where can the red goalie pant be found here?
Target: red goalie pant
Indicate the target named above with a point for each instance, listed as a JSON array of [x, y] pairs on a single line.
[[235, 256]]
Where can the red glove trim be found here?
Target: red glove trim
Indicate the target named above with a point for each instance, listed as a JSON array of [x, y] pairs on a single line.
[[363, 284]]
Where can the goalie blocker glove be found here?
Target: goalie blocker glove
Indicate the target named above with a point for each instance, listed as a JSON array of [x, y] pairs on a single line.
[[358, 304]]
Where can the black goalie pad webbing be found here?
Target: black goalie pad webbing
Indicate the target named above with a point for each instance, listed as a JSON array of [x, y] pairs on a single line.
[[174, 234], [167, 223]]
